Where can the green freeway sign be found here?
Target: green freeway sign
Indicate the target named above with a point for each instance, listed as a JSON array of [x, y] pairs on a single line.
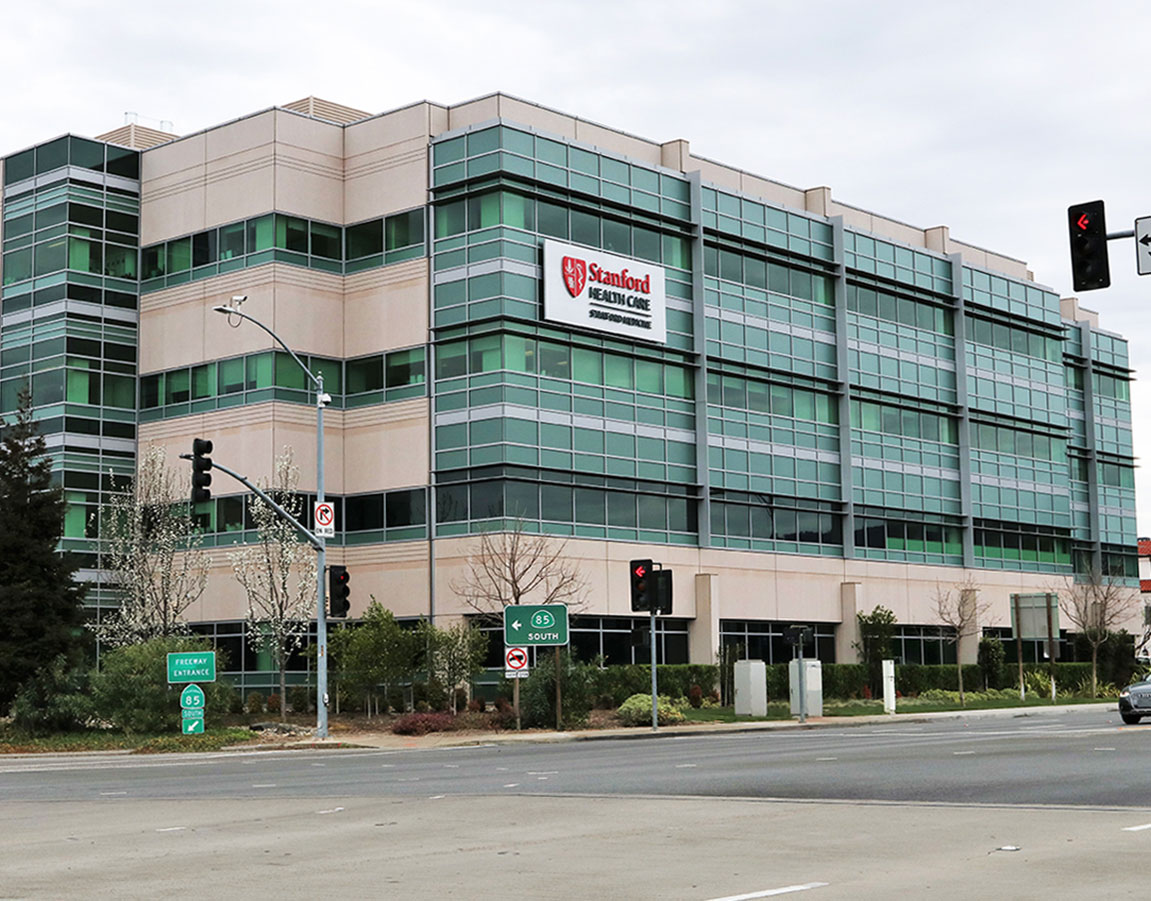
[[193, 725], [192, 666], [535, 624]]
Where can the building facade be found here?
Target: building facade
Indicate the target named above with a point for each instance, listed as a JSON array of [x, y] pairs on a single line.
[[805, 409]]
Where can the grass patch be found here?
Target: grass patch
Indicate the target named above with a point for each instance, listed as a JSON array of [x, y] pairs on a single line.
[[780, 710], [15, 742]]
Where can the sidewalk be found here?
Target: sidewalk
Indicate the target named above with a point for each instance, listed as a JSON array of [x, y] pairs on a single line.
[[392, 742]]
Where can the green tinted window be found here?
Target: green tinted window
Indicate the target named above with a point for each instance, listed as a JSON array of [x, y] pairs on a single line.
[[365, 239]]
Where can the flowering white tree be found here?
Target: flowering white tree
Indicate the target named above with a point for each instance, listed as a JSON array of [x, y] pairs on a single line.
[[278, 572], [153, 552]]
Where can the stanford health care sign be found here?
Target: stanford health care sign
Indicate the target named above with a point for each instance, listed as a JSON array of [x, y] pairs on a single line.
[[597, 290]]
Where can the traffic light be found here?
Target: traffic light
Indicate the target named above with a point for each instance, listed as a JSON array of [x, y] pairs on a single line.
[[661, 591], [1088, 230], [338, 590], [201, 463], [641, 585]]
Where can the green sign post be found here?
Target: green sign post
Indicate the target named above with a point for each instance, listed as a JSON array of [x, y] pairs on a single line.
[[192, 704], [535, 624], [192, 666]]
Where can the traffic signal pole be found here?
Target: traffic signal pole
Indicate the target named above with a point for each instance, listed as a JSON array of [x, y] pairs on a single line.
[[319, 543]]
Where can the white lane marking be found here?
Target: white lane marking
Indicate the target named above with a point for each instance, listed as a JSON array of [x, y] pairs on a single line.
[[1137, 828], [686, 766], [1104, 749], [436, 797], [331, 810], [786, 890], [319, 764], [110, 794], [544, 773], [961, 753], [511, 785], [173, 829], [826, 758], [541, 778], [264, 785], [387, 766], [451, 766]]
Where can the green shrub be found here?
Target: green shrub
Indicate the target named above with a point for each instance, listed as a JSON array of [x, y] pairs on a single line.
[[273, 703], [992, 657], [255, 702], [132, 692], [55, 699], [621, 681], [538, 692], [844, 680], [636, 711], [300, 698]]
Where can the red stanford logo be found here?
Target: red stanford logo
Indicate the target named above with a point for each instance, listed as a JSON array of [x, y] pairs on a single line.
[[575, 275]]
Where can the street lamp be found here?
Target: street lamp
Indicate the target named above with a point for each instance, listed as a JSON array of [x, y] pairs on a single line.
[[322, 400]]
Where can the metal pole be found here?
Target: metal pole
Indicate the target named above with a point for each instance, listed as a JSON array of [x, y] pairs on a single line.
[[654, 697], [321, 559], [802, 684], [1019, 645], [1050, 647]]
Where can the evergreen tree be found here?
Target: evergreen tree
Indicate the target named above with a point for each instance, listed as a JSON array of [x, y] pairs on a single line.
[[40, 604]]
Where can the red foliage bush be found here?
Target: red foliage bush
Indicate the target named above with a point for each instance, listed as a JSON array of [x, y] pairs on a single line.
[[423, 723]]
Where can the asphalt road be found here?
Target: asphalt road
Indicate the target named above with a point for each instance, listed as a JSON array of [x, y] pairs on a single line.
[[1085, 757], [1022, 807]]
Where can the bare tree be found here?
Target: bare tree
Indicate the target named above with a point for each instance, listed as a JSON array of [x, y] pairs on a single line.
[[153, 552], [1095, 607], [959, 609], [278, 572], [517, 566]]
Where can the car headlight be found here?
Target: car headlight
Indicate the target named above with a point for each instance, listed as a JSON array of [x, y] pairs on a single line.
[[1126, 692]]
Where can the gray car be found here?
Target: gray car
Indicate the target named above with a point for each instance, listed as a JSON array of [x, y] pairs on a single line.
[[1135, 702]]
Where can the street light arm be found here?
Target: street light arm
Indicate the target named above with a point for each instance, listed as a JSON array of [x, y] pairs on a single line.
[[232, 311]]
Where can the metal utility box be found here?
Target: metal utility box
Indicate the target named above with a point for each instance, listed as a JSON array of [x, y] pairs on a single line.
[[813, 684], [750, 688]]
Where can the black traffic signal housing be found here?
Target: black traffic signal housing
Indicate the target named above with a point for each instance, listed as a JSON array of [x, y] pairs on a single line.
[[642, 585], [1087, 228], [338, 590], [661, 599], [201, 464]]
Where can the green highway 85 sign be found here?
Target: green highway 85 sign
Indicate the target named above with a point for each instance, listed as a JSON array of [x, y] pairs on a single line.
[[535, 624]]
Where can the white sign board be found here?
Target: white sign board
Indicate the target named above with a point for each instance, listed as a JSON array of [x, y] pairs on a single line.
[[516, 663], [1143, 245], [324, 513], [592, 289]]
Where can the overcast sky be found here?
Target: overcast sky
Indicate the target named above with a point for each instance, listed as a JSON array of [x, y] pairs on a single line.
[[988, 117]]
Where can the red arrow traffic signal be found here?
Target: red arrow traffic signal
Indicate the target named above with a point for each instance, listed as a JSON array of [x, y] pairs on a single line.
[[1083, 222]]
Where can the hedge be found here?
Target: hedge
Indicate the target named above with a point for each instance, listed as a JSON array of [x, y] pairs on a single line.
[[620, 682]]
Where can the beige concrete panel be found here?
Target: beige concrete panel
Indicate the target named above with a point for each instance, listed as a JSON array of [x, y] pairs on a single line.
[[851, 597], [817, 200], [386, 179], [717, 174], [173, 335], [808, 588], [703, 630], [616, 142], [513, 109], [240, 188], [386, 446], [473, 112], [241, 136], [416, 122], [977, 256], [172, 190], [771, 191], [675, 154], [309, 167], [323, 138], [386, 308]]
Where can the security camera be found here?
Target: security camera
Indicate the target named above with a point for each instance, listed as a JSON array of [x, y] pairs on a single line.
[[238, 299], [325, 399]]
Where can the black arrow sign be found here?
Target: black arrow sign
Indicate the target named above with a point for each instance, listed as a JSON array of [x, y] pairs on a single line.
[[1145, 240]]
